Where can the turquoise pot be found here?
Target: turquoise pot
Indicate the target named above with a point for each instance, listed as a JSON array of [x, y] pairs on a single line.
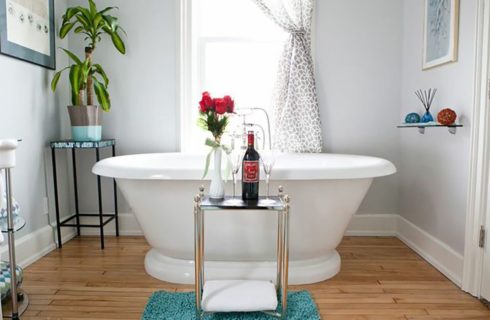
[[86, 133], [85, 123]]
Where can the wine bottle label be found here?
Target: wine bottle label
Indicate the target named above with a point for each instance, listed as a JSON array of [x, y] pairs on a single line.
[[250, 171]]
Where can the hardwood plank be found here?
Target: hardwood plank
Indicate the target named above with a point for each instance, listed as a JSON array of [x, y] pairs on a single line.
[[381, 279]]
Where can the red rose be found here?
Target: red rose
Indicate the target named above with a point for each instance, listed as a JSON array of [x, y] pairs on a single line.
[[202, 106], [230, 104], [206, 102], [220, 105]]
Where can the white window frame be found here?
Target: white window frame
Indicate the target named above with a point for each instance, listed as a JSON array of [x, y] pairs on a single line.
[[185, 71]]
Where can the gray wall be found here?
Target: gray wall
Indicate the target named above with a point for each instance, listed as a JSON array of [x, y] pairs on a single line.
[[434, 167], [29, 110], [358, 67], [143, 84], [144, 116]]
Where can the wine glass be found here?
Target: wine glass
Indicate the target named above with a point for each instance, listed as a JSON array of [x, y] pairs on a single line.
[[268, 159], [236, 158]]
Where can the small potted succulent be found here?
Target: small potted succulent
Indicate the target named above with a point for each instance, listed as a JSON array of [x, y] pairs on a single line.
[[85, 76]]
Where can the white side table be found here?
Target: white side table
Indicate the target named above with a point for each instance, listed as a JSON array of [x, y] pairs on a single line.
[[242, 295]]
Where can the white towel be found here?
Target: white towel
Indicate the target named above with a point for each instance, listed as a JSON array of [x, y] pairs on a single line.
[[239, 296]]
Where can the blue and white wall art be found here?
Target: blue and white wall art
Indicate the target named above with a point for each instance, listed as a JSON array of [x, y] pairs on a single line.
[[440, 32], [27, 31]]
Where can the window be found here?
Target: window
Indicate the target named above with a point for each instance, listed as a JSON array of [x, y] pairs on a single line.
[[229, 47]]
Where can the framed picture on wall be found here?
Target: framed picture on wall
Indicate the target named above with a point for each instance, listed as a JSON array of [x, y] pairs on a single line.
[[441, 32], [27, 31]]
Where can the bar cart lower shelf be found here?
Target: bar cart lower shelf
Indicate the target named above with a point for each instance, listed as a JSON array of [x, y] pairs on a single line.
[[242, 295]]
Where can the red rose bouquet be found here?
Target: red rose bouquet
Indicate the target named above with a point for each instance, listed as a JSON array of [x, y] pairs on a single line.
[[214, 117]]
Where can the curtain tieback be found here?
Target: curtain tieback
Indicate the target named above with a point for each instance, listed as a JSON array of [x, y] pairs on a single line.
[[298, 33]]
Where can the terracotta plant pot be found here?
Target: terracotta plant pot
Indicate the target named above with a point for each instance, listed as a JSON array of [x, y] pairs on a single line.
[[85, 123]]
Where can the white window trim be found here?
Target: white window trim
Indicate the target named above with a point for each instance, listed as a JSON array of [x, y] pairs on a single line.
[[185, 70]]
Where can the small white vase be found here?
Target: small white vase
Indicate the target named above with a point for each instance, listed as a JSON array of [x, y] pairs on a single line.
[[217, 187]]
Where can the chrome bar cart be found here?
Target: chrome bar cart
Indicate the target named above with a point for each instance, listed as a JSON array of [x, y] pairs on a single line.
[[281, 206]]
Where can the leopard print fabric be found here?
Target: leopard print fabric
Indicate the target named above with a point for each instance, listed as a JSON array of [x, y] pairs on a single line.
[[296, 113]]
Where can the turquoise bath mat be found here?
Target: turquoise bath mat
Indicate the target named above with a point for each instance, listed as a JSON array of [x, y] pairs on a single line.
[[180, 306]]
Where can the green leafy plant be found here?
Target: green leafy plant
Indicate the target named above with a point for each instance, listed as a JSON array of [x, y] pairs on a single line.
[[80, 73], [92, 24]]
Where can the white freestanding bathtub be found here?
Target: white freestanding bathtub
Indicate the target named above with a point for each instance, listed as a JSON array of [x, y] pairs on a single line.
[[325, 189]]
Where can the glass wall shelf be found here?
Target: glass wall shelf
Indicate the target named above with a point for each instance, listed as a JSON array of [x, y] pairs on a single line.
[[421, 126]]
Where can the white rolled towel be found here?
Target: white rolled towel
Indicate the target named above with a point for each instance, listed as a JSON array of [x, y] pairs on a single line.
[[239, 296]]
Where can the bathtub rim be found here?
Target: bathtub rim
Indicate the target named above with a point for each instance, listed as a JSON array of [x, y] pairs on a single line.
[[114, 167]]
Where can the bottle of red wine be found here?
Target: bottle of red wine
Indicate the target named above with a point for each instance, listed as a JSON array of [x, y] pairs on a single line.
[[250, 171]]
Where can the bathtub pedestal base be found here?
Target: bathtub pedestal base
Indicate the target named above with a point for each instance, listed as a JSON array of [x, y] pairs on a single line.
[[300, 271]]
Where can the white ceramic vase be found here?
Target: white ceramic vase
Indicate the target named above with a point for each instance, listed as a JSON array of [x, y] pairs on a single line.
[[217, 187]]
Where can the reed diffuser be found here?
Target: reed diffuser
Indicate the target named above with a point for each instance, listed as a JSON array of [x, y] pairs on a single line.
[[426, 97]]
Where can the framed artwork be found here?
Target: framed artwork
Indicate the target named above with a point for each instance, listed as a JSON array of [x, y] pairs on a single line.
[[441, 32], [27, 31]]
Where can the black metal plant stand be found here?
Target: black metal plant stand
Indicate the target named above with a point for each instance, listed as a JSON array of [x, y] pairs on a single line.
[[74, 145]]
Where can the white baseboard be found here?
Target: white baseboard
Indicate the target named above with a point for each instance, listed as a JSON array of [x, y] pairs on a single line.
[[373, 225], [33, 246], [361, 225], [437, 253]]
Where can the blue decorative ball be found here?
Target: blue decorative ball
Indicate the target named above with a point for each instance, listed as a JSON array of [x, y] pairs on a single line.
[[412, 118]]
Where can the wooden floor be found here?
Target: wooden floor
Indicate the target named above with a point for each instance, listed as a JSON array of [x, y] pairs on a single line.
[[381, 279]]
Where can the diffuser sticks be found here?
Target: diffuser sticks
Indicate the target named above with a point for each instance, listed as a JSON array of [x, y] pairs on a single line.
[[426, 97]]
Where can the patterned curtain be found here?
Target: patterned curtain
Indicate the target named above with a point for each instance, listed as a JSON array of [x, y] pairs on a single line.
[[295, 106]]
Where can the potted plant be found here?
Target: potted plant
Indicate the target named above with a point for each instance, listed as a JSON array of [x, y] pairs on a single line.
[[85, 76]]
